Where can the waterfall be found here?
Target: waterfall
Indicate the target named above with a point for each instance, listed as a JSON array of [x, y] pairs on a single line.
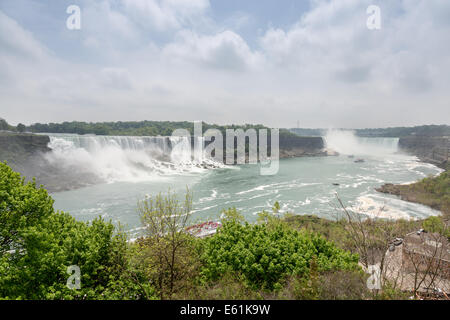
[[124, 158], [346, 142]]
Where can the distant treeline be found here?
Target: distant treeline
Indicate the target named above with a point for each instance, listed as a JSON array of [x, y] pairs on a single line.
[[165, 128], [138, 128], [5, 126], [143, 128], [429, 130]]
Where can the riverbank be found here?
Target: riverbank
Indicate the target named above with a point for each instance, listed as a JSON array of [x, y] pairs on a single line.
[[429, 149], [433, 192]]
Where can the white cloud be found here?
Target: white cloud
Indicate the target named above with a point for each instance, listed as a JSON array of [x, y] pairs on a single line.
[[225, 50], [17, 42], [107, 30], [165, 14], [331, 42], [116, 78], [328, 69]]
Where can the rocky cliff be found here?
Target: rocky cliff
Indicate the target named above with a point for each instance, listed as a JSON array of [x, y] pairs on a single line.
[[291, 146], [26, 153], [18, 148], [434, 150], [296, 146]]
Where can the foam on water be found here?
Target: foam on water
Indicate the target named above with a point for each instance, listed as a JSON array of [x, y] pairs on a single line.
[[379, 206], [130, 159]]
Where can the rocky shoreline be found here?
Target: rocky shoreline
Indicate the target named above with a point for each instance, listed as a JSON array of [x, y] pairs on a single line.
[[433, 150], [407, 193]]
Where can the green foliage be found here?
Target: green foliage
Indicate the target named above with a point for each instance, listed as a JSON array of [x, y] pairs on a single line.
[[21, 127], [427, 130], [21, 205], [137, 128], [39, 269], [276, 207], [271, 218], [165, 214], [433, 224], [166, 256], [440, 185], [3, 124], [38, 245], [231, 214], [390, 292], [432, 191], [436, 225], [265, 256]]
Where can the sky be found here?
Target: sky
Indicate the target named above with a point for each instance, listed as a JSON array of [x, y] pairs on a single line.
[[280, 63]]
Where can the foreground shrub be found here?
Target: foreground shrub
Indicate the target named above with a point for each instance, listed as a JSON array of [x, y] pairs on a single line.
[[266, 255], [38, 245], [331, 285], [166, 257]]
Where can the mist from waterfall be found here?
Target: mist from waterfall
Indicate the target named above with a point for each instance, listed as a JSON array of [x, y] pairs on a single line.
[[122, 158], [347, 143]]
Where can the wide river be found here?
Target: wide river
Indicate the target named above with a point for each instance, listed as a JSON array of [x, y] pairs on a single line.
[[302, 185]]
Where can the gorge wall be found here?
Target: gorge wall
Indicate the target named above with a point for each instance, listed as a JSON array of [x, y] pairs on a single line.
[[18, 148], [296, 146], [435, 150]]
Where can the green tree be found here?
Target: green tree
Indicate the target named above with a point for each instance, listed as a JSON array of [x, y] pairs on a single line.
[[21, 205], [167, 254], [265, 255], [231, 214], [436, 224], [3, 124], [21, 127], [38, 245]]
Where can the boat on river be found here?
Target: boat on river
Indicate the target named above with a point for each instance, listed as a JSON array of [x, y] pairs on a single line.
[[203, 230]]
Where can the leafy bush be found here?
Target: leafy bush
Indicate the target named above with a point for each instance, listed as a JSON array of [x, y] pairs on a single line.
[[266, 255], [38, 245], [21, 205]]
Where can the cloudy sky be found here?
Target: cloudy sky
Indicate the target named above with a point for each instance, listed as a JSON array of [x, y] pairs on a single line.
[[274, 62]]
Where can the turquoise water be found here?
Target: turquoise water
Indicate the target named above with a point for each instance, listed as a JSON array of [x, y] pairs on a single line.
[[302, 186]]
